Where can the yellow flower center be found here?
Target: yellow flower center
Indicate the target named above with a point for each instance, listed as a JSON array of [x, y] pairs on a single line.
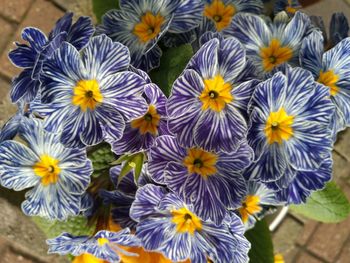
[[329, 79], [289, 8], [278, 258], [220, 13], [216, 94], [250, 206], [102, 241], [186, 221], [86, 94], [275, 54], [279, 126], [200, 162], [47, 168], [149, 122], [149, 27]]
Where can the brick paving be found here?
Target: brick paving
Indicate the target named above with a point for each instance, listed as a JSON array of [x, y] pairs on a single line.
[[298, 239]]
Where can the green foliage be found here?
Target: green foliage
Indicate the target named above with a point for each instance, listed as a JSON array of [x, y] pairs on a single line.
[[100, 7], [133, 161], [101, 157], [75, 226], [329, 205], [262, 247], [172, 63]]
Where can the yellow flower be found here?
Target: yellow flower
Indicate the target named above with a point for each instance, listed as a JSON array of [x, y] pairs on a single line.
[[186, 221], [149, 27], [48, 169], [216, 94], [275, 54], [250, 206], [149, 122], [86, 94], [220, 13], [279, 126], [329, 79], [200, 162]]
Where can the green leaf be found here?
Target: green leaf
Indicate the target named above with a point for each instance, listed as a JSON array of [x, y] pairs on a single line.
[[262, 247], [127, 167], [75, 225], [329, 205], [101, 158], [172, 63], [135, 162], [121, 159], [100, 7], [138, 160]]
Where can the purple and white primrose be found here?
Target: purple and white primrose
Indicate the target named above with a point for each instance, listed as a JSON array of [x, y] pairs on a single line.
[[209, 100], [31, 57], [289, 127], [57, 175], [332, 69], [139, 24], [90, 97], [270, 44], [211, 181], [303, 184], [104, 245], [257, 203], [221, 12], [168, 225], [139, 134]]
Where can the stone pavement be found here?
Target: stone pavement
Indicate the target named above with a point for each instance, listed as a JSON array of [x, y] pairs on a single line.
[[298, 239]]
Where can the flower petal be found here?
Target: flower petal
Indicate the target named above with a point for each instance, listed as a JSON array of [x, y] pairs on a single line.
[[16, 161], [103, 57], [185, 92], [311, 53], [220, 131], [165, 150]]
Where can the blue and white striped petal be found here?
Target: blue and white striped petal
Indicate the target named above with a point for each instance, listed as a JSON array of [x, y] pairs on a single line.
[[51, 202], [35, 37], [305, 182], [103, 57], [251, 30], [220, 132], [309, 146], [187, 16], [231, 59], [16, 163], [185, 92], [24, 88], [205, 61], [165, 150], [146, 200], [23, 56], [311, 53]]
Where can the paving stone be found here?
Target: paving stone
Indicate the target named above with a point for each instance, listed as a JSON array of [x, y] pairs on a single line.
[[42, 14], [81, 7], [24, 236], [345, 253], [329, 239], [6, 30], [307, 258], [309, 228], [14, 10], [343, 144], [284, 238], [341, 167]]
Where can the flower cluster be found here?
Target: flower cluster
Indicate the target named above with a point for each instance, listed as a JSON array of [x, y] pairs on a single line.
[[249, 125]]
